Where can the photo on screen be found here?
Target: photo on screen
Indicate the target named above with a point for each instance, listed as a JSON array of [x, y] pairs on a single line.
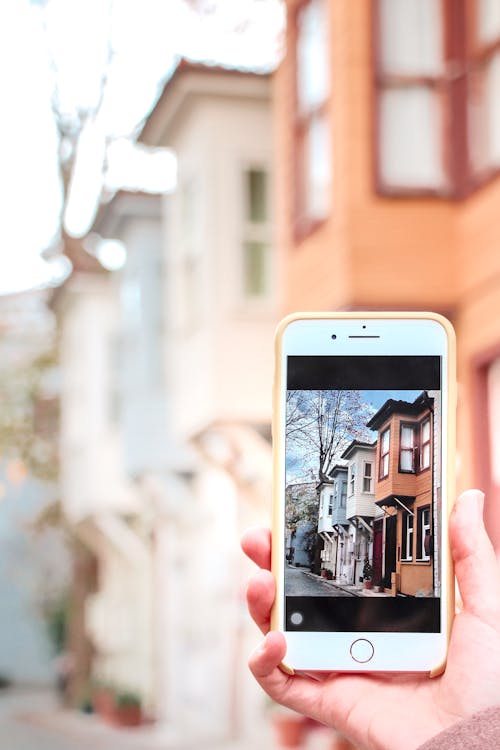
[[363, 494]]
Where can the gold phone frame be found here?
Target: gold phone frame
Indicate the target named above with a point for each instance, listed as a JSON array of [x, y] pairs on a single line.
[[447, 502]]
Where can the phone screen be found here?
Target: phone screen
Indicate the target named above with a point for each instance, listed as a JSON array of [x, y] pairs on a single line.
[[363, 445]]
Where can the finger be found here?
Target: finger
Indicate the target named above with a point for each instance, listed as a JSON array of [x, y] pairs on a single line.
[[298, 693], [475, 561], [256, 544], [260, 597]]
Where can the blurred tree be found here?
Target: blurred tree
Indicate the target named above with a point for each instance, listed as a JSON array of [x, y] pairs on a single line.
[[28, 417], [87, 88]]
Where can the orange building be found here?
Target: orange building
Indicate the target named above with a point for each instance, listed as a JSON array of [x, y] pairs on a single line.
[[388, 182], [407, 487]]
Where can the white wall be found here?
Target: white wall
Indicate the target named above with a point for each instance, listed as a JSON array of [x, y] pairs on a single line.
[[92, 471], [361, 503], [222, 367]]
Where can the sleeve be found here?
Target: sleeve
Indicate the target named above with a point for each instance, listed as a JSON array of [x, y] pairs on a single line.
[[480, 732]]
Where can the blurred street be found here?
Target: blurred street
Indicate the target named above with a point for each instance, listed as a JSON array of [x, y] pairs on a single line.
[[299, 583], [16, 709], [32, 719]]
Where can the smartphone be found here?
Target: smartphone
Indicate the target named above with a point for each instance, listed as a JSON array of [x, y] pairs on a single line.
[[364, 444]]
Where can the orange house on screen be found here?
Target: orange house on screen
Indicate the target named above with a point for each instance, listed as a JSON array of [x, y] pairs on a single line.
[[407, 484], [387, 119]]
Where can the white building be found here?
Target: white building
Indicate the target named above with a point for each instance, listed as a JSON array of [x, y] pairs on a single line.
[[166, 409], [112, 590], [360, 507], [219, 264], [219, 320], [333, 524]]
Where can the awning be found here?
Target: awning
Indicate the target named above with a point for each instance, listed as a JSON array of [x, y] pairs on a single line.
[[394, 500]]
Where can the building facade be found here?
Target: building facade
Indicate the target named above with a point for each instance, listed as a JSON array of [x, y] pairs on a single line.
[[217, 285], [360, 508], [333, 524], [301, 527], [387, 176], [407, 486]]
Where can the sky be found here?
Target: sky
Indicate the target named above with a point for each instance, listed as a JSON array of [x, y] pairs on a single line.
[[63, 45]]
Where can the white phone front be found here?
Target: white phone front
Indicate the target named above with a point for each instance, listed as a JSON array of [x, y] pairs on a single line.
[[364, 437]]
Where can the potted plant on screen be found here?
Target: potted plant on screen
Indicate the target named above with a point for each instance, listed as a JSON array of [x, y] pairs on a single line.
[[367, 573]]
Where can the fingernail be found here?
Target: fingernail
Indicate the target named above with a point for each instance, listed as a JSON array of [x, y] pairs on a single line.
[[472, 503]]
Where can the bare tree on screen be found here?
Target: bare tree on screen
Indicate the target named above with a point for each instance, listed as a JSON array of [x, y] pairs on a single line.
[[321, 423]]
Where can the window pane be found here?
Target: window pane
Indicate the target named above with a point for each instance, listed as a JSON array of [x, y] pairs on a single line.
[[411, 37], [426, 456], [385, 441], [426, 431], [407, 434], [257, 195], [317, 169], [256, 268], [410, 132], [407, 460], [312, 60], [488, 21], [385, 465]]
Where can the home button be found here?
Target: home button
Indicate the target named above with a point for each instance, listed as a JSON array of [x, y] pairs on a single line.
[[362, 650]]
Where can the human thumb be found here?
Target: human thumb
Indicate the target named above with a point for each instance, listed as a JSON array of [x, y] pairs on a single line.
[[476, 565]]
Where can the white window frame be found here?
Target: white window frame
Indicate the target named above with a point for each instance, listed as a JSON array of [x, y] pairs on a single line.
[[368, 477], [384, 457], [421, 528], [352, 478], [407, 534]]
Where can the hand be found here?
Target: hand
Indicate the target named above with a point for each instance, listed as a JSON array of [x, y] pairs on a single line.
[[393, 712]]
